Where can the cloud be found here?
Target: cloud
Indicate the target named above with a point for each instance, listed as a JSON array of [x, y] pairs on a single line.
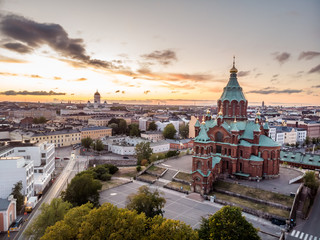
[[18, 47], [117, 91], [270, 90], [257, 75], [164, 57], [317, 86], [35, 76], [174, 91], [243, 73], [81, 79], [57, 78], [123, 92], [281, 57], [8, 74], [308, 55], [35, 34], [146, 92], [11, 60], [37, 93], [275, 75], [316, 69]]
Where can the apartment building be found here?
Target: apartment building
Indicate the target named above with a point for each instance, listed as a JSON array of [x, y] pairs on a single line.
[[62, 138], [96, 132]]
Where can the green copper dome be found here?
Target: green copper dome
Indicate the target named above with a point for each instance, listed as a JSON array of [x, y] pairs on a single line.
[[197, 123], [203, 136]]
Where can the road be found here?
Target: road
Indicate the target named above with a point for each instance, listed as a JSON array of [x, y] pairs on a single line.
[[181, 207], [309, 229], [75, 164]]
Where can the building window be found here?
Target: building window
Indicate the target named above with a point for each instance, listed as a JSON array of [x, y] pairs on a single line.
[[218, 149], [219, 137], [198, 165]]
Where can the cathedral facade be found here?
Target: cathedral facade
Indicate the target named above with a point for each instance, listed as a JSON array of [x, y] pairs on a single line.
[[230, 145]]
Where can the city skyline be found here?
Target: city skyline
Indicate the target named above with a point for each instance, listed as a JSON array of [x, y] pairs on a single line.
[[159, 52]]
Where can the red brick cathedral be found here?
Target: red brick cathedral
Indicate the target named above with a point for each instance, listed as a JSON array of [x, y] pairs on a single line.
[[230, 145]]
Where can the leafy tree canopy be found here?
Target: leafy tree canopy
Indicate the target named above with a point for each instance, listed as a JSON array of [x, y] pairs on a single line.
[[98, 145], [169, 131], [227, 223], [146, 201], [143, 151], [82, 189], [134, 130], [86, 142], [110, 222], [184, 130], [152, 126], [50, 214], [16, 192], [311, 181]]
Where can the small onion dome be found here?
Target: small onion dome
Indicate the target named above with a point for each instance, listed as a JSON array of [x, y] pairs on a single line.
[[233, 69], [203, 122], [208, 111]]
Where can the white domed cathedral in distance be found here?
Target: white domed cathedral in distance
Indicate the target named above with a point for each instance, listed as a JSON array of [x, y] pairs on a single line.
[[97, 102]]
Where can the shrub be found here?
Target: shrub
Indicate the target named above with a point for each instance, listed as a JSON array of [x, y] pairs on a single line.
[[138, 168], [105, 177], [112, 168], [144, 162], [172, 153]]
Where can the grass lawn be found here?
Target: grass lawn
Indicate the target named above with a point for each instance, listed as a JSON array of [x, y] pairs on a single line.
[[184, 176], [249, 204], [112, 183], [148, 177], [179, 185], [156, 170], [255, 193], [127, 172]]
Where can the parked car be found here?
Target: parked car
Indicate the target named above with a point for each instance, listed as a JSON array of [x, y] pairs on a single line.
[[16, 225], [66, 158]]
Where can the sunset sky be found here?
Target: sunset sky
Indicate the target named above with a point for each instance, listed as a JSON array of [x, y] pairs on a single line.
[[159, 51]]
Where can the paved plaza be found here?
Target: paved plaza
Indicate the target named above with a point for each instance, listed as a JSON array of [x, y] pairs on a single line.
[[180, 207], [279, 185]]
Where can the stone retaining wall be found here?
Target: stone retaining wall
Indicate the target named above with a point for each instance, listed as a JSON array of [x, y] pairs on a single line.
[[176, 189], [250, 211], [118, 163], [277, 205]]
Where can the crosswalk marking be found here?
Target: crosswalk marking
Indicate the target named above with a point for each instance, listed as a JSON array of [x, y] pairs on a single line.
[[304, 236]]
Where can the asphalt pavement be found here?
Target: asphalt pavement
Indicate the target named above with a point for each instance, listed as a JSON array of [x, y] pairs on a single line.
[[309, 229]]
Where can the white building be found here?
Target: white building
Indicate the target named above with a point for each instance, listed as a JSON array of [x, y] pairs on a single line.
[[143, 123], [13, 170], [42, 156], [153, 136], [301, 135], [126, 145], [162, 125]]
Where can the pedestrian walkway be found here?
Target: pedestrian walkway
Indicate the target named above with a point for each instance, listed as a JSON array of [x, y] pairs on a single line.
[[304, 236], [169, 174], [195, 196]]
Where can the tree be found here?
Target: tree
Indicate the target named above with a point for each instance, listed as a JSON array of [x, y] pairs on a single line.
[[50, 214], [134, 130], [16, 192], [42, 120], [310, 181], [150, 203], [86, 142], [228, 223], [98, 145], [68, 228], [115, 128], [152, 126], [122, 126], [307, 141], [82, 189], [169, 131], [184, 130], [143, 151], [110, 222], [314, 141], [204, 230]]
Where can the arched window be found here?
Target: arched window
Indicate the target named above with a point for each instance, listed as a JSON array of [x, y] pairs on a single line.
[[241, 153], [197, 179], [202, 151], [218, 149], [197, 149], [211, 149], [208, 163], [198, 165], [219, 137], [229, 152]]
